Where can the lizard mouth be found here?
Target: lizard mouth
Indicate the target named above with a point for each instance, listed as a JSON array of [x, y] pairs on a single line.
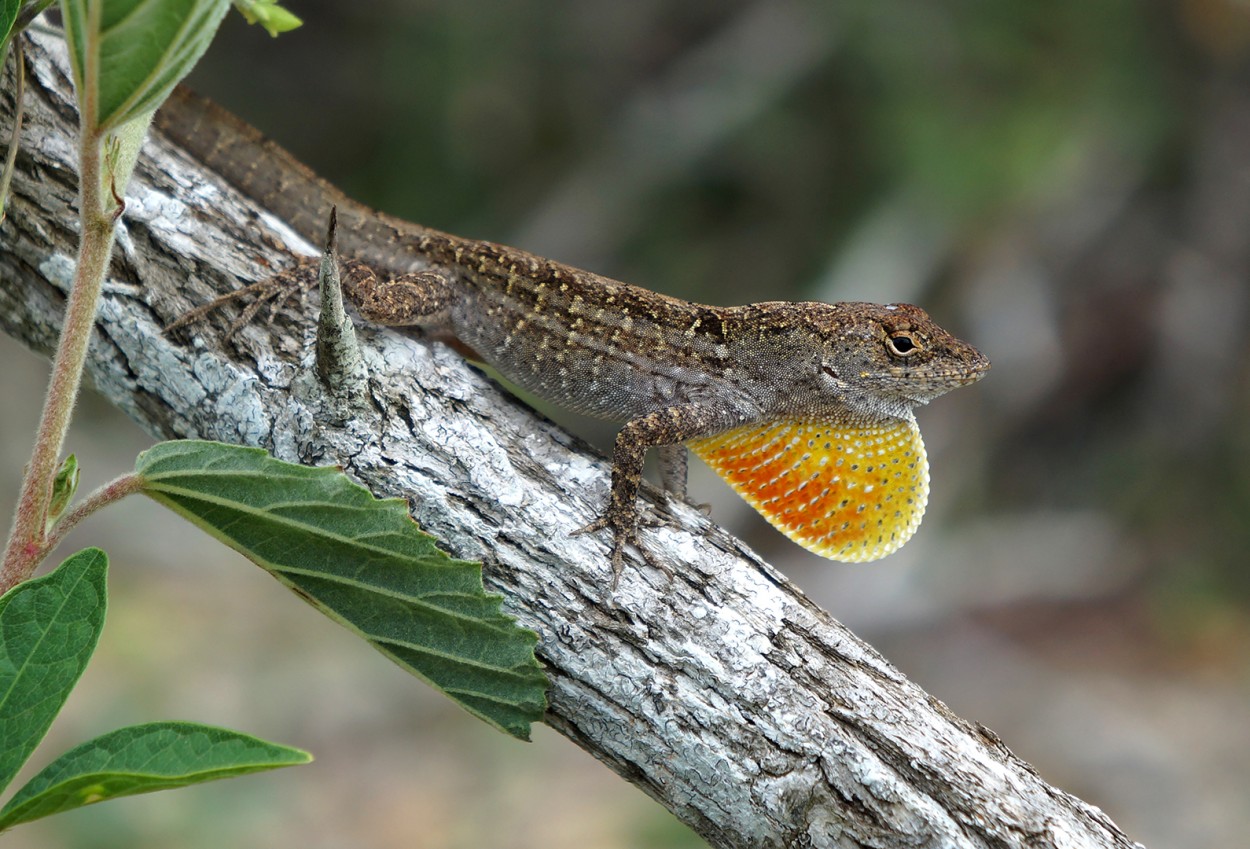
[[937, 387], [920, 386]]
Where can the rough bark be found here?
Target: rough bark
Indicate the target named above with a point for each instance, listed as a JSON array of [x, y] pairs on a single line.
[[726, 694]]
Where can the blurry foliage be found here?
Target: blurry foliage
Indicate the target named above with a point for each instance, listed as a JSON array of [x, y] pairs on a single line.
[[979, 103]]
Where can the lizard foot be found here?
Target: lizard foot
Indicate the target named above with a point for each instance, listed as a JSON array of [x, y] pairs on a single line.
[[673, 522], [623, 535]]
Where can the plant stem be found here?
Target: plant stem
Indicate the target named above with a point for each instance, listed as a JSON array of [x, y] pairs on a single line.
[[114, 490], [28, 542], [19, 92]]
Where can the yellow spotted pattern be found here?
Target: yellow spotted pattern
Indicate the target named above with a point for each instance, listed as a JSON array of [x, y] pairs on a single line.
[[849, 493]]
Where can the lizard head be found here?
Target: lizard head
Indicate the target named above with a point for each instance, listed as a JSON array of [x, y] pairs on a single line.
[[838, 464], [881, 361], [849, 492]]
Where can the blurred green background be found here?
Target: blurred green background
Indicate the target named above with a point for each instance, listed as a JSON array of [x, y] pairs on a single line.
[[1066, 185]]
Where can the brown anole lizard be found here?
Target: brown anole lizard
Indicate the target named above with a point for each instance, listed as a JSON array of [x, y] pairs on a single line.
[[806, 409]]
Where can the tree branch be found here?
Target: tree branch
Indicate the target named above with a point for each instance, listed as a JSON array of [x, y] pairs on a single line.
[[728, 696]]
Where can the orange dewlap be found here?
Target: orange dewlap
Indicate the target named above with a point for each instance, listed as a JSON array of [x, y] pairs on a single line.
[[846, 492]]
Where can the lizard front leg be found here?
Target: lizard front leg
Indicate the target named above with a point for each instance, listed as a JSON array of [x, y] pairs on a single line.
[[659, 429], [421, 299]]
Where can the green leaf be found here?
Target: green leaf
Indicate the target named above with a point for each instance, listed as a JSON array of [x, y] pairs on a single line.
[[8, 15], [128, 55], [122, 148], [48, 628], [362, 562], [31, 9], [141, 759], [268, 14], [15, 16], [63, 488]]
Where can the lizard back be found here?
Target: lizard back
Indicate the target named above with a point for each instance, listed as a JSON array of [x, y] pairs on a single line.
[[593, 345]]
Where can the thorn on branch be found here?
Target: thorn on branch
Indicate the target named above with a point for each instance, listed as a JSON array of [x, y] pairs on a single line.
[[339, 363]]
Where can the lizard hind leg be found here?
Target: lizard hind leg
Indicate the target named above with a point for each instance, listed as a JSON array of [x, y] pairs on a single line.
[[847, 492], [273, 292]]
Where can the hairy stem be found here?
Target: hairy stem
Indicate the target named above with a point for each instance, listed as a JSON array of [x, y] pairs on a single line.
[[28, 540], [114, 490]]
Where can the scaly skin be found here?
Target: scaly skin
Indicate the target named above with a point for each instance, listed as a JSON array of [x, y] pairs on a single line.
[[805, 408]]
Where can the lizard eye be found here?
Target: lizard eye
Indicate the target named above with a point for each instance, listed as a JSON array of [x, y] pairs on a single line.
[[902, 344]]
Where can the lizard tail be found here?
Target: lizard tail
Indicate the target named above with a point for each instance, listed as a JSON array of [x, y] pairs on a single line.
[[268, 174]]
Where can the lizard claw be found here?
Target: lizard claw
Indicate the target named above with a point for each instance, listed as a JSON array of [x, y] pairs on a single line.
[[670, 521], [622, 535]]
